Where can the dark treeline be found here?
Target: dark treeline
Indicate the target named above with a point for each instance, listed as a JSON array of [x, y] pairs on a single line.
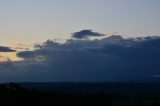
[[13, 94]]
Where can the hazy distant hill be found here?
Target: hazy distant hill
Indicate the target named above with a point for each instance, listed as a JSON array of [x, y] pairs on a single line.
[[140, 89]]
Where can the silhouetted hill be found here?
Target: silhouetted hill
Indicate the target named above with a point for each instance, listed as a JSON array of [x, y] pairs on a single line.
[[80, 94]]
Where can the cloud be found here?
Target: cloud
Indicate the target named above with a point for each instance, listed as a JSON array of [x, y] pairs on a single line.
[[85, 34], [6, 49], [26, 54], [112, 58]]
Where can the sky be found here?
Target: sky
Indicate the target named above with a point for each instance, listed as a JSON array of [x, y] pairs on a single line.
[[26, 23], [31, 21]]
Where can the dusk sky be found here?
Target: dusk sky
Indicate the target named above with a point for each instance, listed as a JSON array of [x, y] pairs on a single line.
[[24, 23], [31, 21]]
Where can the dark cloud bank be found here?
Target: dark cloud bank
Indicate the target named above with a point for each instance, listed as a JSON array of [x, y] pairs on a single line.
[[112, 58]]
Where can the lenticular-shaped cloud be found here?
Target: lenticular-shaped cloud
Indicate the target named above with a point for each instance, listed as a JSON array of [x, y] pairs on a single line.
[[85, 34], [112, 58]]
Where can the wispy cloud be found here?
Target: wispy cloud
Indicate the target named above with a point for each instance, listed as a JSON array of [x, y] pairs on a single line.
[[6, 49]]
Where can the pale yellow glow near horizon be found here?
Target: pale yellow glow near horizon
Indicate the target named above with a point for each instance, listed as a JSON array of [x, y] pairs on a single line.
[[4, 56], [18, 45]]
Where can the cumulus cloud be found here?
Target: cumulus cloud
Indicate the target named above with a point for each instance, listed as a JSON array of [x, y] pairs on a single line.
[[6, 49], [112, 58], [85, 34]]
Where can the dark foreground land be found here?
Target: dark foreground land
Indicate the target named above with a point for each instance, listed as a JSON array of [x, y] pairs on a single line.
[[79, 94]]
